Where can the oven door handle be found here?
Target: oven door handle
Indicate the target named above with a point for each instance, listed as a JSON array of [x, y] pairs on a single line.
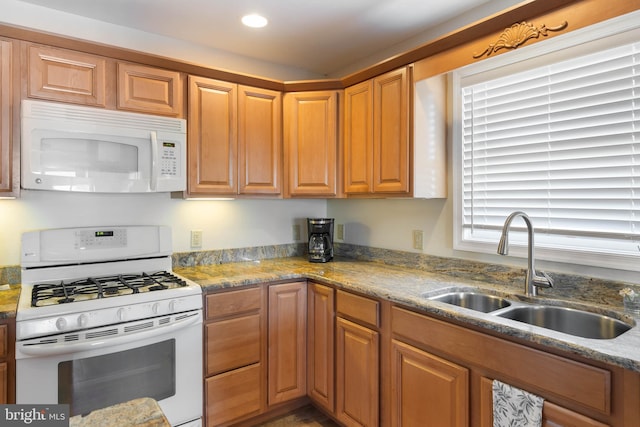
[[51, 349]]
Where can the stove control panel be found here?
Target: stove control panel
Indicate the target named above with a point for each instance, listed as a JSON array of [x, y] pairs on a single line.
[[86, 320], [106, 238]]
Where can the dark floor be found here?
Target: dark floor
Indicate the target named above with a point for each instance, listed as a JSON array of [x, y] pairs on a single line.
[[307, 416]]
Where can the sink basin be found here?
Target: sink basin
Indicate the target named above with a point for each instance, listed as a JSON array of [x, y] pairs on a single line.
[[473, 300], [570, 321]]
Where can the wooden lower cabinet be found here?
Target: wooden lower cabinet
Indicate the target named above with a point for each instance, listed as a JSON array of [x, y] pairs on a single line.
[[233, 395], [320, 345], [357, 374], [4, 383], [552, 414], [7, 361], [575, 392], [287, 342], [426, 390], [234, 356]]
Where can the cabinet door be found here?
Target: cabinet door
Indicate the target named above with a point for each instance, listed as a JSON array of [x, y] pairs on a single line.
[[212, 137], [552, 414], [6, 122], [287, 342], [358, 138], [67, 76], [427, 391], [391, 132], [149, 90], [311, 143], [357, 374], [259, 141], [4, 383], [320, 347]]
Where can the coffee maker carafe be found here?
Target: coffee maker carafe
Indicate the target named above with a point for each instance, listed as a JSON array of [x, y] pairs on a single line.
[[320, 239]]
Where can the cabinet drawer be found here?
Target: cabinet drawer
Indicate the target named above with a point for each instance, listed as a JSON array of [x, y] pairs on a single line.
[[233, 395], [232, 343], [358, 308], [3, 341], [235, 302], [534, 370]]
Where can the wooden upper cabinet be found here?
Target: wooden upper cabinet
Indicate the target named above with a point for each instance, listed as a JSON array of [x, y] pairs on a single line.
[[6, 116], [259, 141], [149, 90], [391, 132], [66, 76], [234, 139], [212, 137], [376, 146], [311, 143], [358, 138]]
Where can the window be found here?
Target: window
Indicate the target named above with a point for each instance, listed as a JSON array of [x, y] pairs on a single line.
[[553, 130]]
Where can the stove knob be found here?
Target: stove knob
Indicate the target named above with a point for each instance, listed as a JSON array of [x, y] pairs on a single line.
[[155, 308], [61, 323], [83, 320], [120, 314], [172, 306]]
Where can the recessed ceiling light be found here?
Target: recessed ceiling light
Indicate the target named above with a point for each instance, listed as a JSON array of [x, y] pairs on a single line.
[[254, 21]]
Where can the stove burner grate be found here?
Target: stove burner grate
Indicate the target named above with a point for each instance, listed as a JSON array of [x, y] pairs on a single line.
[[44, 294]]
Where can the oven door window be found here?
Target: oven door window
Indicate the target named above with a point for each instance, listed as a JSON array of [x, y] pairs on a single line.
[[101, 381]]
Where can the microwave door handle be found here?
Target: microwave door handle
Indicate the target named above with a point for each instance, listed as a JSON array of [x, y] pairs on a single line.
[[155, 167]]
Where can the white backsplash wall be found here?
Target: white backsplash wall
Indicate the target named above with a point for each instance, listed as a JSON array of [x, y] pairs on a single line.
[[389, 224], [225, 224]]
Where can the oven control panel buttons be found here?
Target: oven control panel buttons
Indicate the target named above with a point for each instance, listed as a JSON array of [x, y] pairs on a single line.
[[61, 323], [83, 320]]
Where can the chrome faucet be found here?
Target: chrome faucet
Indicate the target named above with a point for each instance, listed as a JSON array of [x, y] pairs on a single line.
[[532, 281]]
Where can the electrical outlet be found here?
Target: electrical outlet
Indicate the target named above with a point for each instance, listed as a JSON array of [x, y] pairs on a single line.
[[418, 237], [196, 239], [296, 232], [340, 232]]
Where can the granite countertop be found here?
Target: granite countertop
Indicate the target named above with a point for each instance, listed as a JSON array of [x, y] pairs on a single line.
[[411, 287], [408, 286], [9, 295], [143, 412]]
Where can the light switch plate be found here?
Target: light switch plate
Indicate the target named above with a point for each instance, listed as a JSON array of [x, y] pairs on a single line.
[[196, 239], [418, 237]]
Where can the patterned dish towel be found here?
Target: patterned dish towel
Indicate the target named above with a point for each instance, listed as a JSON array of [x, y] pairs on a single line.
[[513, 407]]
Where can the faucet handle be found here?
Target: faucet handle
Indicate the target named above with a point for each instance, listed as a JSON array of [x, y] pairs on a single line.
[[544, 281]]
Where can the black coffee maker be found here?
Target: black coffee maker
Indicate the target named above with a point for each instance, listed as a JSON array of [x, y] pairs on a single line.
[[320, 239]]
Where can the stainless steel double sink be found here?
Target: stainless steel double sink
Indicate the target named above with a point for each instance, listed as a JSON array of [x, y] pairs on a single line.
[[567, 320]]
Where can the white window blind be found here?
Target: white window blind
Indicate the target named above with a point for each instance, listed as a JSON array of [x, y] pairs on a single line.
[[560, 142]]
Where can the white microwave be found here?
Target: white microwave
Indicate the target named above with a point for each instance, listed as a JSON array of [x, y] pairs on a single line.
[[75, 148]]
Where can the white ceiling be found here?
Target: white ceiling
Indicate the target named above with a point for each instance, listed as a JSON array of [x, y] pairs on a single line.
[[321, 36]]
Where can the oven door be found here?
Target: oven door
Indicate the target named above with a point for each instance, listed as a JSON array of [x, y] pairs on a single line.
[[164, 363]]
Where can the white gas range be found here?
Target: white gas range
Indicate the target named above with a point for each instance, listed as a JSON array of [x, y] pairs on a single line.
[[102, 319]]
